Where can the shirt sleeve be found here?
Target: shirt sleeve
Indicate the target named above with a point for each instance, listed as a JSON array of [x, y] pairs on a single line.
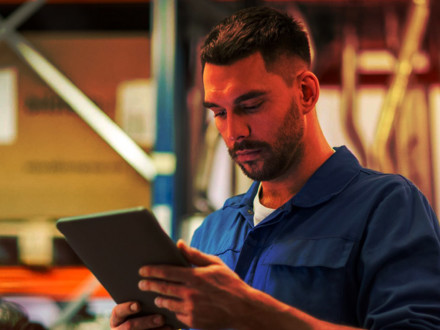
[[399, 270]]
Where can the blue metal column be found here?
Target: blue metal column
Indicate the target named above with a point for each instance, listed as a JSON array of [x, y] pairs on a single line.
[[163, 65]]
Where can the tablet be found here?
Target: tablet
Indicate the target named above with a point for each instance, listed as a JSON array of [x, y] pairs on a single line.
[[114, 245]]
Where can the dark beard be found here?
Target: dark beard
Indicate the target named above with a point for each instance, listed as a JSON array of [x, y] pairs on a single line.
[[286, 153]]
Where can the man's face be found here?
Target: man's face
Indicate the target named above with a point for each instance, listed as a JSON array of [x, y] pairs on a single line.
[[257, 115]]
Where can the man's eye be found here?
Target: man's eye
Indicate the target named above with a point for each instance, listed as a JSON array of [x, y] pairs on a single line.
[[219, 113], [250, 107]]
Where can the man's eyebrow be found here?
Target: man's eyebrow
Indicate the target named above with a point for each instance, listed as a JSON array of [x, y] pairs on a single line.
[[249, 95], [238, 100], [210, 105]]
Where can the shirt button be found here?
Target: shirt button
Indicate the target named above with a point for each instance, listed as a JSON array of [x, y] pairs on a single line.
[[250, 211]]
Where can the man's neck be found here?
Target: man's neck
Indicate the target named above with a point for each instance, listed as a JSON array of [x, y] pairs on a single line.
[[275, 193]]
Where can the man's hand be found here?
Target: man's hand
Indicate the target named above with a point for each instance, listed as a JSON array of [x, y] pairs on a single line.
[[209, 296], [122, 311]]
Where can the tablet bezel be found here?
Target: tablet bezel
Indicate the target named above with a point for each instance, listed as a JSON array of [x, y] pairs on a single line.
[[114, 245]]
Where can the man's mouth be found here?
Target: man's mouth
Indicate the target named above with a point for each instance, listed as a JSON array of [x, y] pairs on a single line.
[[247, 155], [248, 151]]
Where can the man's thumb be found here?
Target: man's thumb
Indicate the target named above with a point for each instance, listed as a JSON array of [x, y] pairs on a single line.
[[196, 257]]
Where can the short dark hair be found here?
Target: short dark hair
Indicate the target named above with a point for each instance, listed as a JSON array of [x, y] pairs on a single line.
[[255, 29]]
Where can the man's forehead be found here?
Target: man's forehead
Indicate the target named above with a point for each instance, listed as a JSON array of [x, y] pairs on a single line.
[[222, 83], [251, 68], [252, 62]]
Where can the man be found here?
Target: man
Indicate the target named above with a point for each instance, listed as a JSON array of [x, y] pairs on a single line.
[[318, 242]]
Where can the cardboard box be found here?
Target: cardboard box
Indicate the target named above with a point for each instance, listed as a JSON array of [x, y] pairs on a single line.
[[55, 165]]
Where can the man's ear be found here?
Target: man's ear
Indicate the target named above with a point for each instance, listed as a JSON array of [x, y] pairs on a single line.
[[309, 91]]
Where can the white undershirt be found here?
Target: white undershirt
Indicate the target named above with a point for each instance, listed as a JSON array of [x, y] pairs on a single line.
[[260, 211]]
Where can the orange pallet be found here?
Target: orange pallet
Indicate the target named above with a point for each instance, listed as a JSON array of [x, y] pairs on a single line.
[[58, 283]]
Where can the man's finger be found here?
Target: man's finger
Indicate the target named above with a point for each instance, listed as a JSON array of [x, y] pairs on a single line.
[[121, 311], [196, 257], [174, 305], [177, 274], [156, 322], [170, 289], [173, 274]]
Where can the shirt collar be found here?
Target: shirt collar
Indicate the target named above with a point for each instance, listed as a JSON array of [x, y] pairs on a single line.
[[329, 180]]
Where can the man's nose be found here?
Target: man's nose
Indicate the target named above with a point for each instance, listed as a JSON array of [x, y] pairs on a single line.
[[237, 128]]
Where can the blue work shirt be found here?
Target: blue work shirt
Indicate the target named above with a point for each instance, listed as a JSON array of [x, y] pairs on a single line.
[[353, 246]]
